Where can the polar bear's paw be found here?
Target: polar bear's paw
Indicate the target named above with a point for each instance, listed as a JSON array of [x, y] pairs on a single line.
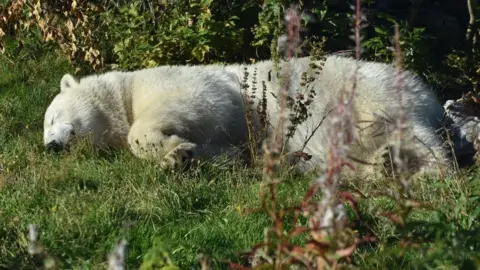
[[179, 158]]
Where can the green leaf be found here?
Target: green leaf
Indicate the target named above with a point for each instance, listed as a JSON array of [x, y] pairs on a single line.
[[380, 30], [323, 12]]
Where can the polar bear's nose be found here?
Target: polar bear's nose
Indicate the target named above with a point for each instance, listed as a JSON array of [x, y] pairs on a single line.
[[54, 146]]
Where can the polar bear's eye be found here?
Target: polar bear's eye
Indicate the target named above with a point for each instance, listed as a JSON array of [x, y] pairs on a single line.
[[53, 120]]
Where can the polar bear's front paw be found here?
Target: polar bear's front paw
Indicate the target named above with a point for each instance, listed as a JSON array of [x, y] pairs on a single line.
[[179, 158]]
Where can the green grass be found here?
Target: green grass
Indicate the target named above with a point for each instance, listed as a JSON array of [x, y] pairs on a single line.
[[84, 202]]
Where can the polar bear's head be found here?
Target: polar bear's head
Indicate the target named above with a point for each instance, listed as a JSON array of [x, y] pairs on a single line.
[[72, 113]]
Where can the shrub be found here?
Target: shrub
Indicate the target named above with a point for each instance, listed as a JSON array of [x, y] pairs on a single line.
[[170, 34]]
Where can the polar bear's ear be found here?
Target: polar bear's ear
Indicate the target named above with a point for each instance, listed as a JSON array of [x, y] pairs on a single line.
[[67, 82]]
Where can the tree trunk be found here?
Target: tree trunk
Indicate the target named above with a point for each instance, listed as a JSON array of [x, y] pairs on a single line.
[[472, 38], [472, 30]]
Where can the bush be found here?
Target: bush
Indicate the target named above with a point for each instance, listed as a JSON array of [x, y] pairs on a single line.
[[170, 34]]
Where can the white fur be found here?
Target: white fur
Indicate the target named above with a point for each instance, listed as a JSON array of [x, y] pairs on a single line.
[[376, 99], [166, 113], [170, 113]]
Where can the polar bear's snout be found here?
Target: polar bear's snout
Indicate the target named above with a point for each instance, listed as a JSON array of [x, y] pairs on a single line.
[[54, 146], [58, 136]]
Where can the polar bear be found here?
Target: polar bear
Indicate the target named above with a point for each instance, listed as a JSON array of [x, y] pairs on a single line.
[[174, 114], [171, 114]]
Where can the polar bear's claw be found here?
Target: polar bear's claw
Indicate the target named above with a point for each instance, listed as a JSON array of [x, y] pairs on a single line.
[[179, 158]]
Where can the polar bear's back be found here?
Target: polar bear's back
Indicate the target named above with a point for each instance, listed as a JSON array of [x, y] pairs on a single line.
[[375, 87]]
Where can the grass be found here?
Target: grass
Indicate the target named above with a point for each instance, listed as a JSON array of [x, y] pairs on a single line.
[[84, 202]]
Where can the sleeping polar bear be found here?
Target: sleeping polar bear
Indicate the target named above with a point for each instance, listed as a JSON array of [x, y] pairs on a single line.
[[174, 114]]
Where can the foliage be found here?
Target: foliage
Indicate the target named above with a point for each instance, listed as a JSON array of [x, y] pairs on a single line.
[[88, 34], [83, 202], [158, 258], [413, 42], [178, 33], [72, 25], [100, 35]]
